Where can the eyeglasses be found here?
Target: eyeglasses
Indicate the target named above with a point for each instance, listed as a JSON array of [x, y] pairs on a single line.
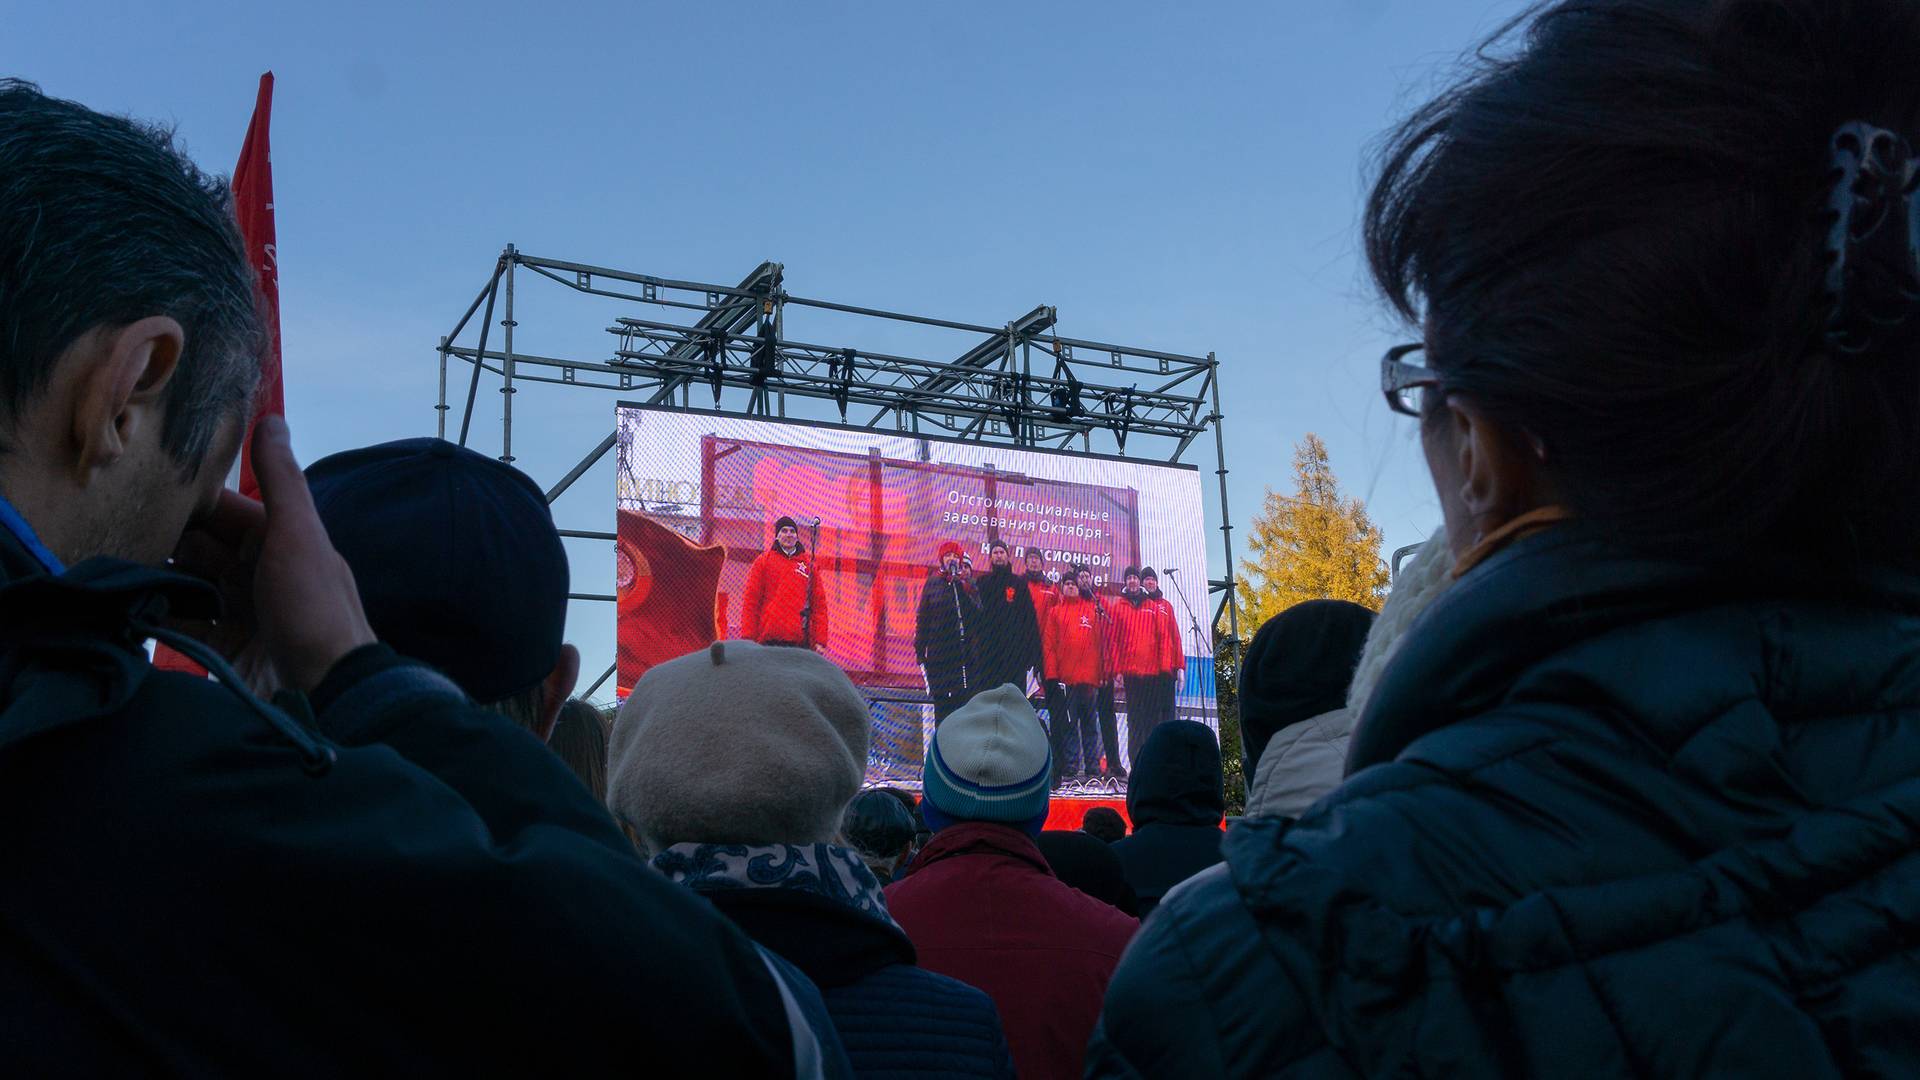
[[1405, 383]]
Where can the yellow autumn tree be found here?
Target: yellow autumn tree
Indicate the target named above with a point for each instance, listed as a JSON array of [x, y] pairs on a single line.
[[1311, 545]]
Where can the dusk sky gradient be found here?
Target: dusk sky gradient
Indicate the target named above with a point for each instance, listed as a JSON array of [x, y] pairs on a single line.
[[1185, 177]]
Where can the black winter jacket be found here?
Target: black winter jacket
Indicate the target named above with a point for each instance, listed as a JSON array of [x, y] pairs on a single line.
[[946, 635], [894, 1018], [1612, 816], [1176, 799], [197, 883], [1009, 630]]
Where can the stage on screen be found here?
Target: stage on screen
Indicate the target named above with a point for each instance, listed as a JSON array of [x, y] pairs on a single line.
[[927, 569]]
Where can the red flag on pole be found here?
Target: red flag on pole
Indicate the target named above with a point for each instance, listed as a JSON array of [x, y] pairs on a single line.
[[253, 209], [253, 206]]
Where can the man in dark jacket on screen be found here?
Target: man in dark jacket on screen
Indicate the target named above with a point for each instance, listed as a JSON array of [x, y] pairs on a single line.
[[946, 634], [369, 874], [1009, 629], [1177, 801]]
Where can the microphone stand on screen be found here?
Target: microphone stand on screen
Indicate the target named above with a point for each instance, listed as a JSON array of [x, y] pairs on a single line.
[[806, 607], [1205, 647]]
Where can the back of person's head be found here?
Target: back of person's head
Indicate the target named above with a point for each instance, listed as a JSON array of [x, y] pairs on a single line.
[[1617, 234], [459, 565], [104, 222], [989, 761], [738, 743], [1298, 666], [1178, 779], [107, 233], [912, 802], [880, 829], [580, 739], [1105, 824], [1088, 864]]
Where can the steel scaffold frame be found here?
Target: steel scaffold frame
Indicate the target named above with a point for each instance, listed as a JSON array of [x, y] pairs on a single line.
[[736, 347]]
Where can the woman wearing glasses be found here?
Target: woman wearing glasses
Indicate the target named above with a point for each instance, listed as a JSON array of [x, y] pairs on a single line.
[[1640, 794]]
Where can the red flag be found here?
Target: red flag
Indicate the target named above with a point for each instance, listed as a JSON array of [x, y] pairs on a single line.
[[668, 588], [253, 207]]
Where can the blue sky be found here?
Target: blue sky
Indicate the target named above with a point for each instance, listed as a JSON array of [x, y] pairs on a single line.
[[1186, 178]]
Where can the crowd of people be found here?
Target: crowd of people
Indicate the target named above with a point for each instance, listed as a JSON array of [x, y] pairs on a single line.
[[1623, 780], [1054, 630]]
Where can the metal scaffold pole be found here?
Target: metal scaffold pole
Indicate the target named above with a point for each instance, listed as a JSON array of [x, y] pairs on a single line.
[[730, 349]]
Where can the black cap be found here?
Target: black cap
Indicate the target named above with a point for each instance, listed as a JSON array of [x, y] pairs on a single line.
[[1147, 572], [1001, 544], [456, 557], [786, 523], [1132, 571]]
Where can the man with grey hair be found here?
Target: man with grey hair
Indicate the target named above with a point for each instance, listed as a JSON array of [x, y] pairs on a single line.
[[367, 874]]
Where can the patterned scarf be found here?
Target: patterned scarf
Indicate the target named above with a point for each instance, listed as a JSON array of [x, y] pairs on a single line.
[[827, 870]]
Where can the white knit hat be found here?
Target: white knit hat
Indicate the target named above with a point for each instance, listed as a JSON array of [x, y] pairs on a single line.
[[739, 743], [989, 760]]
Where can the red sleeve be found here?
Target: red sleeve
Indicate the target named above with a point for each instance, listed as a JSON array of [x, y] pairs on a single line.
[[751, 599], [1050, 644]]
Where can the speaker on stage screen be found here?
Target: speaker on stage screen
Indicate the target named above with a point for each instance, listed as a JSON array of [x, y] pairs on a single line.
[[928, 569]]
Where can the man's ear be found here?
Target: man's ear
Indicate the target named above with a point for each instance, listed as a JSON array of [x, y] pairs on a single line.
[[1499, 471], [555, 691], [123, 389]]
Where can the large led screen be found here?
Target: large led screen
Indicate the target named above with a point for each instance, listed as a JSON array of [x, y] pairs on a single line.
[[927, 569]]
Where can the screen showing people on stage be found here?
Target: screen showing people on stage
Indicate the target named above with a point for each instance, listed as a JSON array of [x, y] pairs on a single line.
[[928, 569]]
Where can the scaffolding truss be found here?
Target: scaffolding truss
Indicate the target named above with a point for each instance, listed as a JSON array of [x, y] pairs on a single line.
[[1021, 384]]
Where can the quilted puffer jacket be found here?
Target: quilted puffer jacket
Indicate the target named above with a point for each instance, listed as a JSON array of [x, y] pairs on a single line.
[[1605, 816]]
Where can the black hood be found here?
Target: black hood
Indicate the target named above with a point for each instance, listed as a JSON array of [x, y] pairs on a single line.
[[1088, 863], [1177, 780], [1298, 666]]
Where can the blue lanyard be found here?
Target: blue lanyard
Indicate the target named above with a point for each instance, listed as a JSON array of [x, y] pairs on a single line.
[[11, 521]]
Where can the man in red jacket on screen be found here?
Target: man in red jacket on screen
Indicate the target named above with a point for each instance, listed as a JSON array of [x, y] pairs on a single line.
[[784, 603]]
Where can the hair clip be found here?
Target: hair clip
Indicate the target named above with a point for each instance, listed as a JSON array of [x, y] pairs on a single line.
[[1873, 242]]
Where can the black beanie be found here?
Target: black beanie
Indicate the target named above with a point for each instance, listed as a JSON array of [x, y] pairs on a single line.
[[786, 523], [1299, 666]]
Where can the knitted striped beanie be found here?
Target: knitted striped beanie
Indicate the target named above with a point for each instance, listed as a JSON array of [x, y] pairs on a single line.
[[989, 761]]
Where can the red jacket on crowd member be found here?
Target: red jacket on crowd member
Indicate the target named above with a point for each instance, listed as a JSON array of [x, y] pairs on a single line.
[[1074, 643], [776, 593], [1142, 647], [981, 905], [1173, 658]]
